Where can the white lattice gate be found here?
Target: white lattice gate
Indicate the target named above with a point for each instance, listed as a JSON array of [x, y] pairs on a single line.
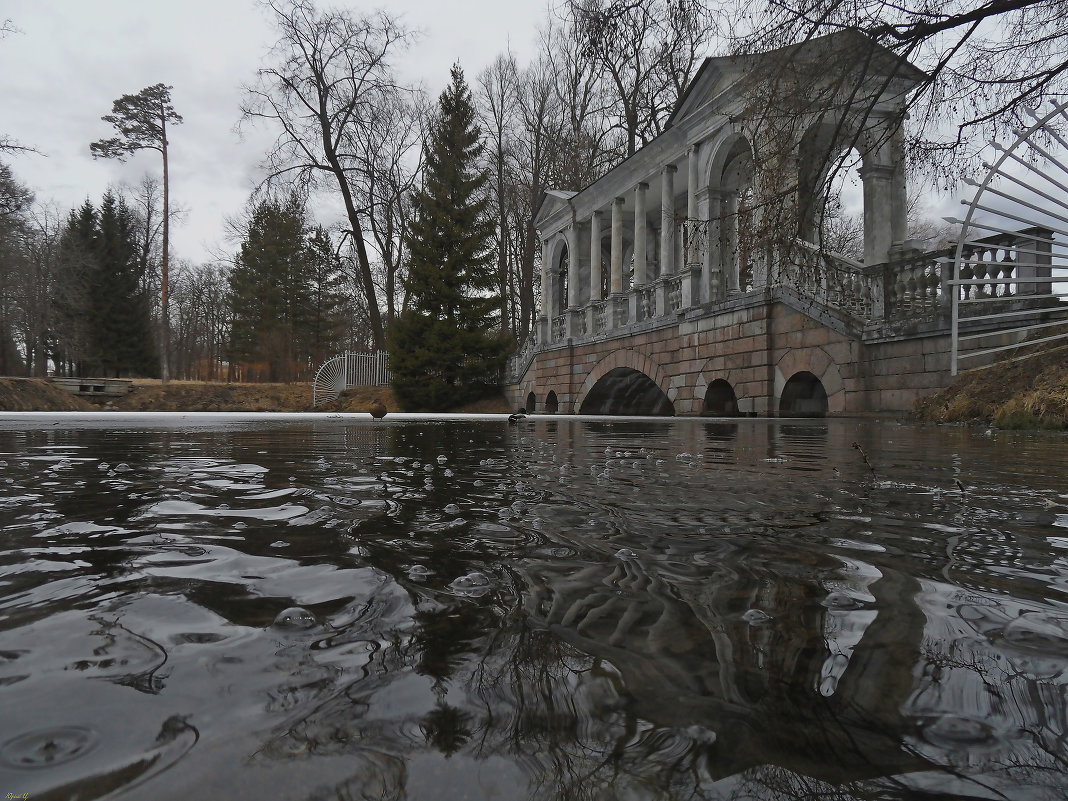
[[350, 370]]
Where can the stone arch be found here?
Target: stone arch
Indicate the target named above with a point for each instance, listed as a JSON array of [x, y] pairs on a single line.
[[552, 403], [732, 184], [551, 300], [633, 359], [822, 367], [625, 391], [803, 396], [715, 369], [720, 400], [823, 145], [531, 402]]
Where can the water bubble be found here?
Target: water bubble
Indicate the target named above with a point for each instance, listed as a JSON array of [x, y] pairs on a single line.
[[840, 600], [1038, 632], [428, 467], [279, 544], [756, 617], [442, 459], [296, 618], [956, 731], [47, 747], [419, 572], [452, 509], [449, 473], [479, 482], [103, 466], [122, 467], [416, 465], [519, 506], [625, 554], [473, 585]]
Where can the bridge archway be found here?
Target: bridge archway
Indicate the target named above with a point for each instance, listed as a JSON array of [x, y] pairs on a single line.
[[532, 403], [625, 391], [803, 396], [636, 361], [552, 403], [720, 400], [817, 362]]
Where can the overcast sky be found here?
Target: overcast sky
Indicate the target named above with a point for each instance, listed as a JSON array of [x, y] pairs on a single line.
[[71, 59]]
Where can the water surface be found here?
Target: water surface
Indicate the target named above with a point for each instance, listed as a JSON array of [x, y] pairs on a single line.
[[197, 606]]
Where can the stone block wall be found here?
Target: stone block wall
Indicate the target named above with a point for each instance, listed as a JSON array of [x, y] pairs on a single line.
[[756, 349]]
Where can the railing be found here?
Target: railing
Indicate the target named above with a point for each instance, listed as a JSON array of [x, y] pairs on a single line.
[[646, 308], [673, 287], [559, 328], [600, 316], [520, 362], [1007, 287], [914, 287], [832, 280], [349, 370], [620, 313]]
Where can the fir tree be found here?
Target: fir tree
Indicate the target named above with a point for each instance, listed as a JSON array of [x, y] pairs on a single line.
[[446, 348], [270, 291]]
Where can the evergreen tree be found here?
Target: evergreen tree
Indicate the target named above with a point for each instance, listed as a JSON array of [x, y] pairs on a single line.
[[271, 291], [446, 348], [120, 316], [326, 334]]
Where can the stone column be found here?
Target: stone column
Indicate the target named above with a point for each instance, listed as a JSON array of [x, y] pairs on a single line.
[[691, 186], [595, 256], [572, 267], [617, 246], [639, 235], [728, 209], [546, 298], [667, 221], [878, 204], [899, 224]]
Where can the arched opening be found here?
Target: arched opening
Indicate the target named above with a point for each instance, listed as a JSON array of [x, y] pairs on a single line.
[[803, 396], [720, 400], [561, 280], [531, 403], [624, 391], [733, 184], [551, 403]]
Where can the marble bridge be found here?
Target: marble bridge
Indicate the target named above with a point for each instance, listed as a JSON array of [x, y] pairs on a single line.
[[659, 295]]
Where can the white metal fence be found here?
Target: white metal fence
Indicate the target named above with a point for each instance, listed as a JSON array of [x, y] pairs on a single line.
[[350, 370]]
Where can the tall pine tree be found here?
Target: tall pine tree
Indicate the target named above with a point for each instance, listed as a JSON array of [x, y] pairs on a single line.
[[447, 348]]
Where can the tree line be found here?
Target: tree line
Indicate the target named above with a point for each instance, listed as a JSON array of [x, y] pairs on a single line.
[[352, 146]]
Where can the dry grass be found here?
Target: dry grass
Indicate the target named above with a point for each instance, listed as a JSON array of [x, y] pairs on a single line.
[[1031, 393]]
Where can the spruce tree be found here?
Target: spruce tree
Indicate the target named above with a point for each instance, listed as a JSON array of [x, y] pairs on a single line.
[[447, 348]]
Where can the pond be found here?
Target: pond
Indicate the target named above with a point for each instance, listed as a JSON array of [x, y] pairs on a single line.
[[323, 607]]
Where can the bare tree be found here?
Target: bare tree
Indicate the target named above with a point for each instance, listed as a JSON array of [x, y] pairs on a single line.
[[648, 51], [984, 61], [331, 72]]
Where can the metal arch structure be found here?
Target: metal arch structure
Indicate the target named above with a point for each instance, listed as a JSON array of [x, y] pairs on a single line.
[[1012, 251], [349, 370]]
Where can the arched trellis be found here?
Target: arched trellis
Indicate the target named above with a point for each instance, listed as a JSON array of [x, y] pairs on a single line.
[[1012, 251]]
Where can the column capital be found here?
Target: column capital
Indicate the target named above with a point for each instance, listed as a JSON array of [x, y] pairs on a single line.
[[670, 168], [641, 186], [619, 201]]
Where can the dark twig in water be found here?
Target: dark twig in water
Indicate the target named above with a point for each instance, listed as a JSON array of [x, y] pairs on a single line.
[[865, 457], [960, 485]]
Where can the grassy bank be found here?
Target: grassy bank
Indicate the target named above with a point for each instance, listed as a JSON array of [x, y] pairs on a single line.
[[1030, 393], [39, 395]]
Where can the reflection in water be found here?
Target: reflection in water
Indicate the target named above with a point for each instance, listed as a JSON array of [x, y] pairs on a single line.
[[560, 609]]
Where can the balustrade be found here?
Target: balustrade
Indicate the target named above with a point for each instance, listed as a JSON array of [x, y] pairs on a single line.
[[600, 316], [674, 294], [559, 329], [646, 302]]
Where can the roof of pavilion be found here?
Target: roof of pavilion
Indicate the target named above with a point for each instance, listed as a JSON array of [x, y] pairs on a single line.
[[718, 73]]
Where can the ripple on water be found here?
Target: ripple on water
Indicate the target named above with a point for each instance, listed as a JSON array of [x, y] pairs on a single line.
[[45, 748]]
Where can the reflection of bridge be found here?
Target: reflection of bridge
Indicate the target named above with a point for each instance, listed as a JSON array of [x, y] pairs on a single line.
[[707, 302]]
